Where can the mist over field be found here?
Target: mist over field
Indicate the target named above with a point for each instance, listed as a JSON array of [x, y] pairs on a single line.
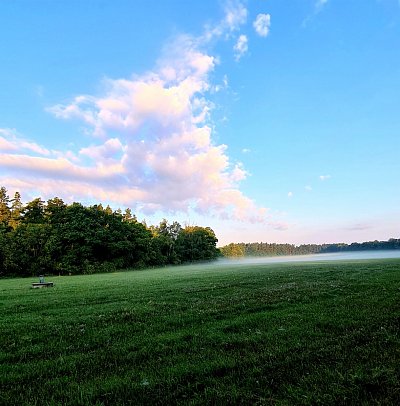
[[336, 256]]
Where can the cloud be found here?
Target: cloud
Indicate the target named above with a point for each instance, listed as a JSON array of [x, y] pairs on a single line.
[[359, 227], [279, 226], [73, 191], [152, 147], [308, 188], [262, 24], [241, 47], [58, 167], [235, 16], [246, 150], [324, 177], [109, 152], [10, 140], [290, 194], [319, 4]]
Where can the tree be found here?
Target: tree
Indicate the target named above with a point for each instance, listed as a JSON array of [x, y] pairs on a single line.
[[54, 210], [90, 239], [71, 242], [166, 235], [108, 210], [196, 243], [55, 237], [128, 217], [233, 250], [4, 248], [34, 212], [27, 244], [4, 206], [16, 211]]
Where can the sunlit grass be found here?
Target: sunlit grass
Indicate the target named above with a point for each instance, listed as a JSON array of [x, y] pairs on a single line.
[[298, 333]]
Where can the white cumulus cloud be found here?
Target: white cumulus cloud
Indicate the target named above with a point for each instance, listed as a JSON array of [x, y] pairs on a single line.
[[262, 24]]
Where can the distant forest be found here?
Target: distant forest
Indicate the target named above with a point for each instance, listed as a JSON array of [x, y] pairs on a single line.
[[260, 249], [57, 238]]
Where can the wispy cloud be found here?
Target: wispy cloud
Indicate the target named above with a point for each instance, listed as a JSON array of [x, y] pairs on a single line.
[[279, 226], [152, 145], [241, 47], [359, 227], [324, 177], [11, 141], [235, 16], [262, 24], [290, 194], [318, 6]]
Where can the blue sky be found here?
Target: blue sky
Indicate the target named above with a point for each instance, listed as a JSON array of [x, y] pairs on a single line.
[[271, 120]]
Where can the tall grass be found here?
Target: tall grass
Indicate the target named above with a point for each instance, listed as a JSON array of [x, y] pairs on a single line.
[[298, 333]]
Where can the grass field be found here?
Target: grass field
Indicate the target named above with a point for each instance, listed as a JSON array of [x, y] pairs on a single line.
[[286, 334]]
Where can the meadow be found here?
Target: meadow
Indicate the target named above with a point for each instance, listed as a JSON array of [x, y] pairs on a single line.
[[287, 334]]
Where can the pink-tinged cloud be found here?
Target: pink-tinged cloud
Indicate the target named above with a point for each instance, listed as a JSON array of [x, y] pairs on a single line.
[[59, 168], [279, 226], [107, 151], [358, 227], [11, 141], [152, 143], [74, 191]]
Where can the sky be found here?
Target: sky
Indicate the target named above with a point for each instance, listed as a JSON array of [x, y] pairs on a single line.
[[266, 120]]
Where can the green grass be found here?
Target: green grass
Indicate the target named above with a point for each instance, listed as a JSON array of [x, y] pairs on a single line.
[[286, 334]]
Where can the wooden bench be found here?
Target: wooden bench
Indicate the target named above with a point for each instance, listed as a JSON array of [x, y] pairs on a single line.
[[42, 285]]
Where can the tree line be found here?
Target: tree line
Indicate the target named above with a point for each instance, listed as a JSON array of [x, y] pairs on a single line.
[[260, 249], [57, 238]]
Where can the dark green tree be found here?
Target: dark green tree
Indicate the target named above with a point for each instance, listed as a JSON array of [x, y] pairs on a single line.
[[27, 244], [165, 236], [4, 248], [34, 212], [54, 210], [196, 243], [16, 211], [4, 206]]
